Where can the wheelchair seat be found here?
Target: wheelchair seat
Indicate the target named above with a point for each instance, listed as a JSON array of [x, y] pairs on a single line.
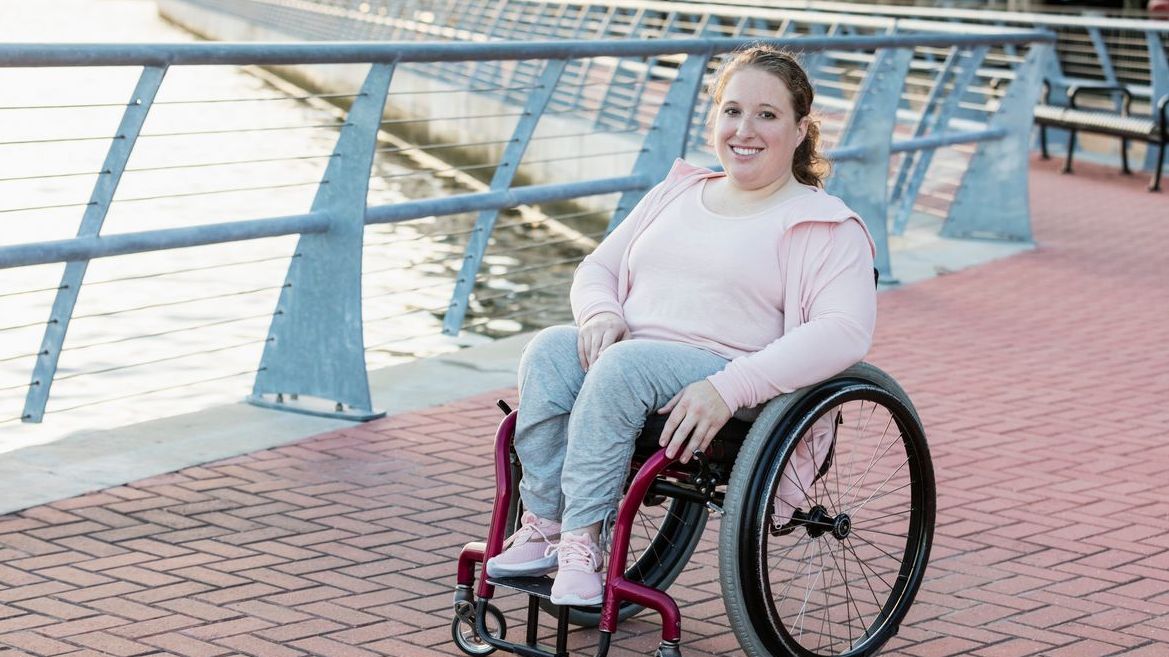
[[723, 449]]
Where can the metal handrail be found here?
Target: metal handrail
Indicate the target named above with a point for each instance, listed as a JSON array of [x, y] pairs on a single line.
[[348, 52]]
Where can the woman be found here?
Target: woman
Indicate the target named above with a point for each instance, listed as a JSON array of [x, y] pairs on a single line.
[[718, 292]]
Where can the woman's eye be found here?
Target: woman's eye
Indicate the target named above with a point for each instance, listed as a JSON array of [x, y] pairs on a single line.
[[767, 115], [730, 111]]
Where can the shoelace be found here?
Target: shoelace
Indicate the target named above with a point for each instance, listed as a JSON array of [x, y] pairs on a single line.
[[572, 555], [524, 534]]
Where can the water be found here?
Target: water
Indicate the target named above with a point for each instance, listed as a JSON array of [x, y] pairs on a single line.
[[205, 310]]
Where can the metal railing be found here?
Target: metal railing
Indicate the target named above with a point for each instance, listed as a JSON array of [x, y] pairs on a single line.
[[619, 94], [1131, 51], [315, 346], [1125, 51]]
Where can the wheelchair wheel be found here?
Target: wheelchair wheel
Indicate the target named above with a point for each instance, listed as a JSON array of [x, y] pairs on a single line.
[[828, 563]]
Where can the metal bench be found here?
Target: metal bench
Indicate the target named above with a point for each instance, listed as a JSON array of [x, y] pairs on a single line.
[[1151, 129]]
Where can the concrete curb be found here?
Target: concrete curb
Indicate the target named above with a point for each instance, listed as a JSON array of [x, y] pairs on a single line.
[[94, 460]]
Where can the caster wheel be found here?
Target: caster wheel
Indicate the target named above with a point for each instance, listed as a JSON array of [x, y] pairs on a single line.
[[463, 629], [667, 650]]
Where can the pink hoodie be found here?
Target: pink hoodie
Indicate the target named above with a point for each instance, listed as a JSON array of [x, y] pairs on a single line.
[[829, 300]]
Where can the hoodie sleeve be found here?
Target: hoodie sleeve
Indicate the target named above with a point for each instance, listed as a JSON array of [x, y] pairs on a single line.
[[838, 303], [594, 285]]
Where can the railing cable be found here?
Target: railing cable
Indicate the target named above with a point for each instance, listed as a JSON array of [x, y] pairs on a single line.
[[163, 359], [170, 167], [143, 393]]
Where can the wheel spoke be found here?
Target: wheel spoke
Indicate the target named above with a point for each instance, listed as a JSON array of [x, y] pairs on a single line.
[[826, 619], [874, 531], [811, 587], [837, 422], [833, 503], [783, 593], [878, 548], [848, 597], [799, 484], [858, 432], [887, 493], [864, 564], [873, 461], [649, 537], [886, 515]]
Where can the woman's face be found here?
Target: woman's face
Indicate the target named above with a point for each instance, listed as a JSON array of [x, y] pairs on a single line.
[[756, 132]]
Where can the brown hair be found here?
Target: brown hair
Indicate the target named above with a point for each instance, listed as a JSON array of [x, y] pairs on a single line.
[[809, 166]]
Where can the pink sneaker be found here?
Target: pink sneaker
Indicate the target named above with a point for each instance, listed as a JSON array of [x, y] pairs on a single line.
[[527, 551], [578, 578]]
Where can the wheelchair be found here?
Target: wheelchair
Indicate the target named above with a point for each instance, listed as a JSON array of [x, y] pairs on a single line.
[[827, 503]]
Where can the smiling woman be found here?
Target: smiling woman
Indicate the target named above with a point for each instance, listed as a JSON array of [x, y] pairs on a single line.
[[763, 131], [718, 292]]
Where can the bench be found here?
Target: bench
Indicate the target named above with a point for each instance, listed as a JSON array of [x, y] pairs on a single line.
[[1151, 130]]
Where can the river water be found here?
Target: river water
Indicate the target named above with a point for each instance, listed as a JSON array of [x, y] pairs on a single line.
[[165, 333]]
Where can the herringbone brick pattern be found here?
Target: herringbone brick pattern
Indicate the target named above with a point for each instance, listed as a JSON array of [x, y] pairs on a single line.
[[1042, 380]]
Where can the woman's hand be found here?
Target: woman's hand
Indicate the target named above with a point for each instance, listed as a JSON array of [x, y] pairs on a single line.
[[697, 412], [597, 334]]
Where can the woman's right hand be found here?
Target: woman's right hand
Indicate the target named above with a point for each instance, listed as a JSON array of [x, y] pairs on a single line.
[[597, 334]]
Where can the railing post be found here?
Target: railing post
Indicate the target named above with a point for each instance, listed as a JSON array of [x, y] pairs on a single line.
[[643, 79], [587, 68], [504, 174], [935, 118], [667, 137], [863, 183], [1057, 138], [992, 200], [609, 112], [812, 61], [489, 71], [315, 343], [1158, 82], [1102, 56], [91, 222], [814, 64]]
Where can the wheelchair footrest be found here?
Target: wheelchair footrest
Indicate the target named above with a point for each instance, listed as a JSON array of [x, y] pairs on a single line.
[[541, 587]]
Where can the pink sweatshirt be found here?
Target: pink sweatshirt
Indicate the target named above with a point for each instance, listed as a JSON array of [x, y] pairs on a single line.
[[786, 294]]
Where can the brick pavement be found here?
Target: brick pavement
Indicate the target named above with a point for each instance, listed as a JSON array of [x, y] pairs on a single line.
[[1042, 380]]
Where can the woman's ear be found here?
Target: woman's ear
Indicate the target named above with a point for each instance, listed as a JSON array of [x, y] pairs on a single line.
[[802, 127]]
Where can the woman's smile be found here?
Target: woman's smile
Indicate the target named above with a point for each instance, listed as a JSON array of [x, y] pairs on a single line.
[[745, 151]]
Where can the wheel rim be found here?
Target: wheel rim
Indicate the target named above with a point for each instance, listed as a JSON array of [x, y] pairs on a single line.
[[840, 575]]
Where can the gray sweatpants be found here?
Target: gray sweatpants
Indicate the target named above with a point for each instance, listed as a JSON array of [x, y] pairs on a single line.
[[575, 431]]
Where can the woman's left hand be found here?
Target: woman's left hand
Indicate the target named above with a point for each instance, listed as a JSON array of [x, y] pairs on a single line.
[[697, 412]]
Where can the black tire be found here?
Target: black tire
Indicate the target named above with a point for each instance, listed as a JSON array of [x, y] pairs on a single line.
[[839, 578]]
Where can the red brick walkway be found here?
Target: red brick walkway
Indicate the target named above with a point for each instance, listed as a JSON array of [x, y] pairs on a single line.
[[1043, 380]]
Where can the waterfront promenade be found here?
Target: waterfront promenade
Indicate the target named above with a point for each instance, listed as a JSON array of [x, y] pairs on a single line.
[[1041, 379]]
